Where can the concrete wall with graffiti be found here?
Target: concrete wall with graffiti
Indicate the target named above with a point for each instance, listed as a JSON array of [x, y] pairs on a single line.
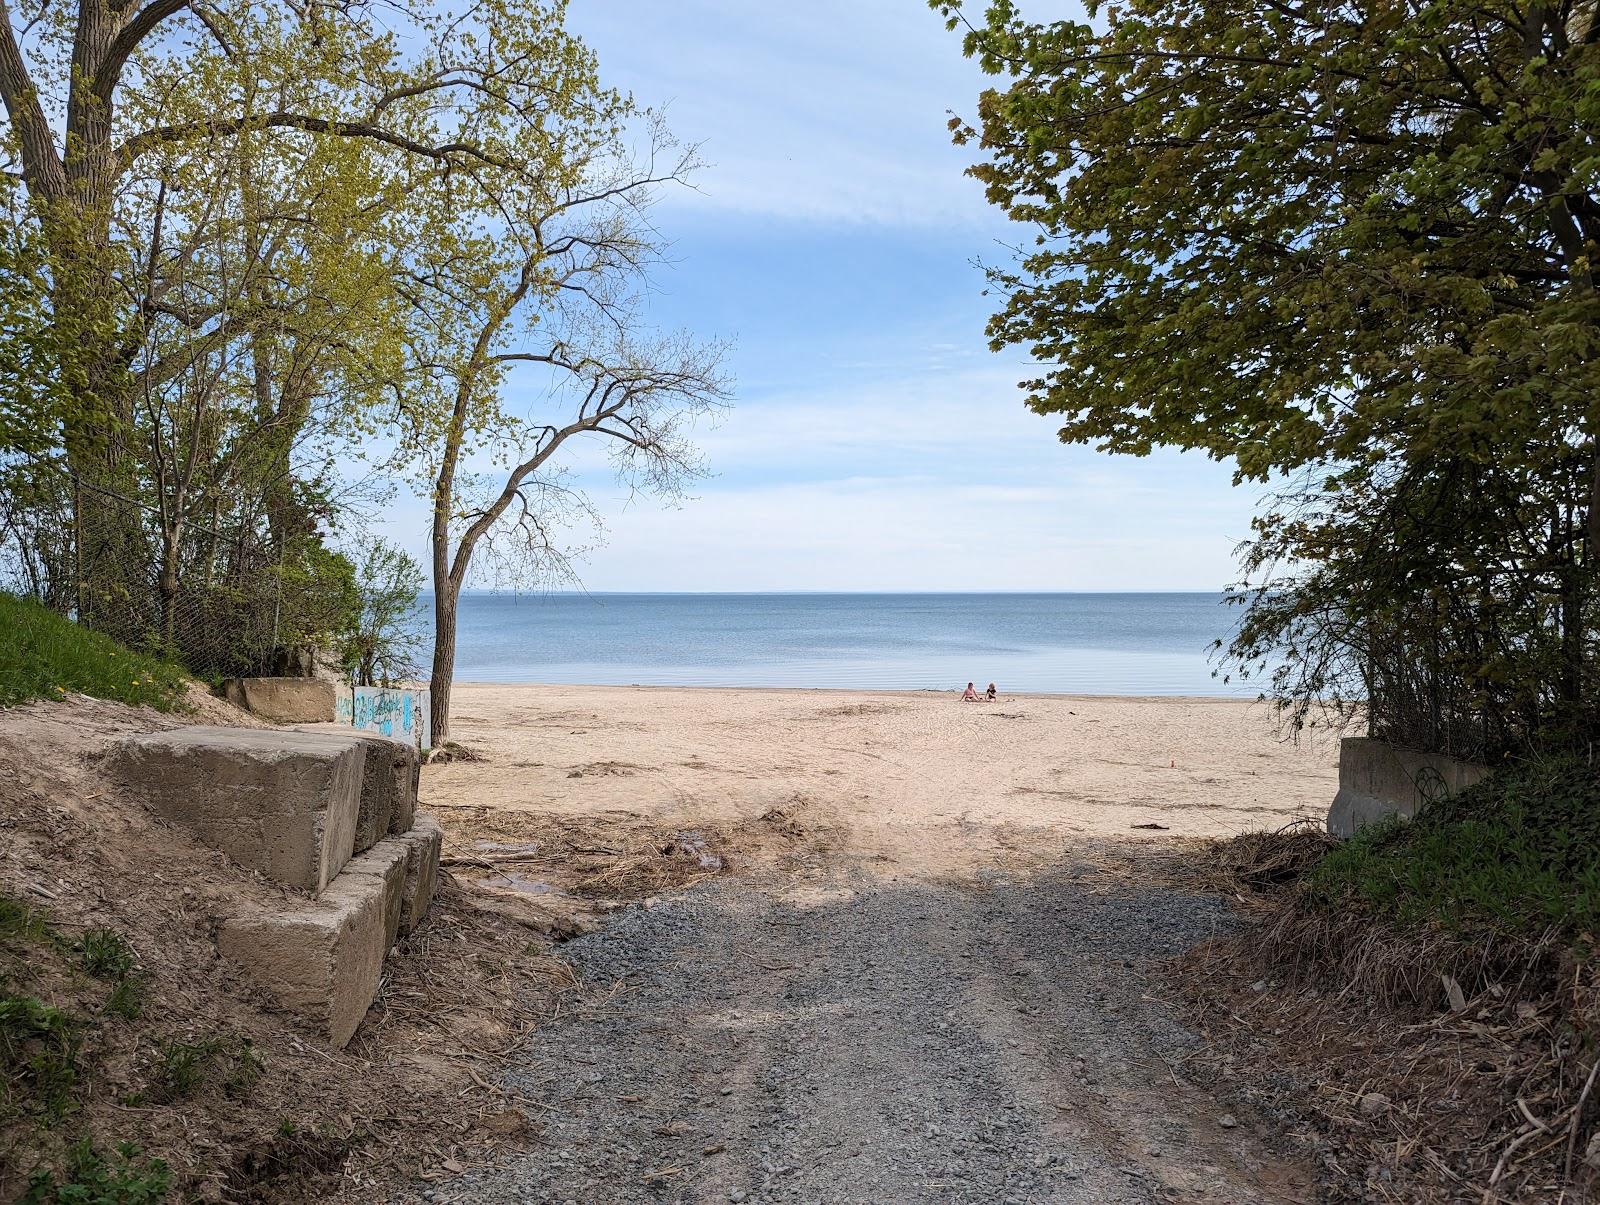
[[398, 711]]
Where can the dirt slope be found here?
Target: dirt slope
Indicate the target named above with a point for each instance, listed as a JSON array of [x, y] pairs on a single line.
[[178, 1055]]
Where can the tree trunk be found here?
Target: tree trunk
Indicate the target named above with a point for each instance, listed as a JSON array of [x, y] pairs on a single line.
[[444, 658]]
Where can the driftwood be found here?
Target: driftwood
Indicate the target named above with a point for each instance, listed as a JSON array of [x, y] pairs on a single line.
[[557, 916]]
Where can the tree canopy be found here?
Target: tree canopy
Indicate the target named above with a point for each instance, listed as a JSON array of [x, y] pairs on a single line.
[[259, 241], [1346, 245]]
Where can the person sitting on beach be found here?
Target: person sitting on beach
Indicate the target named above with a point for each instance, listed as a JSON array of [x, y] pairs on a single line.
[[971, 696], [988, 695]]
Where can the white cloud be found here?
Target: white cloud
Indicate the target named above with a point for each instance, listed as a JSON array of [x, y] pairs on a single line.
[[833, 110], [916, 534], [891, 452]]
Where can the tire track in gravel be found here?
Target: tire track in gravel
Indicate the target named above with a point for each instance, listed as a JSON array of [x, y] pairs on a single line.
[[998, 1041]]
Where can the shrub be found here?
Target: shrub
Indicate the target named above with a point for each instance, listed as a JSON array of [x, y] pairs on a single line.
[[1518, 853]]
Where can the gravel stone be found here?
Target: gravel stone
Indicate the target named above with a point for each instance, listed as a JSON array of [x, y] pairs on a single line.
[[858, 1039]]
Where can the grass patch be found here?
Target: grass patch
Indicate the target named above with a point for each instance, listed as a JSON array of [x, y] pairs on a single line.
[[246, 1070], [43, 656], [19, 922], [180, 1068], [1518, 854], [39, 1046], [127, 997], [91, 1178], [106, 954]]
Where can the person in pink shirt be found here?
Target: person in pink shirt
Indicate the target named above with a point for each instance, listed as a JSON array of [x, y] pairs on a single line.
[[971, 696]]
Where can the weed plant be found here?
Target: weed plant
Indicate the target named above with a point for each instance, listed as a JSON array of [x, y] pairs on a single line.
[[89, 1178]]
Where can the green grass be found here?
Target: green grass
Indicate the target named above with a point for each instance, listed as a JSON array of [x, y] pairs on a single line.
[[106, 954], [43, 656], [39, 1047], [247, 1068], [90, 1178], [20, 922], [127, 997], [180, 1068], [1518, 853]]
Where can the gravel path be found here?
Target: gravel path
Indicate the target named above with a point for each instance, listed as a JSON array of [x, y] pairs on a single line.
[[869, 1041]]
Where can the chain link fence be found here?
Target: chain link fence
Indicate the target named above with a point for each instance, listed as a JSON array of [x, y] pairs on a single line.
[[225, 585]]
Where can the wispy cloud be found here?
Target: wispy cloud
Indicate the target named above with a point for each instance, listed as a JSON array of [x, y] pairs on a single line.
[[875, 443], [828, 111]]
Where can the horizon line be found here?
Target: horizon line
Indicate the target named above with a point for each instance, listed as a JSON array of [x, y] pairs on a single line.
[[535, 593]]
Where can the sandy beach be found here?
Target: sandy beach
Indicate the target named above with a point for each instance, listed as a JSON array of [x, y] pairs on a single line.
[[918, 780]]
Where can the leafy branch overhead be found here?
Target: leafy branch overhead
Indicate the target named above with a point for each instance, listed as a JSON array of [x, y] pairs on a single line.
[[1349, 247], [1284, 233]]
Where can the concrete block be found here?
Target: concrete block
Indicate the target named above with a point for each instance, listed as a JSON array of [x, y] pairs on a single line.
[[389, 783], [404, 815], [282, 803], [423, 842], [1378, 780], [321, 960], [386, 861], [283, 700]]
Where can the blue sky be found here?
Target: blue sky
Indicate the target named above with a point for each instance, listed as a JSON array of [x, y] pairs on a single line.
[[874, 442]]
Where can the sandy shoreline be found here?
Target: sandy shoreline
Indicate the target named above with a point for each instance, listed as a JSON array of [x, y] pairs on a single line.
[[911, 781], [919, 692]]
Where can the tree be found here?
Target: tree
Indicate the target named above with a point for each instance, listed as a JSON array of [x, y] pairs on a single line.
[[30, 405], [554, 293], [130, 115], [378, 650], [1344, 243]]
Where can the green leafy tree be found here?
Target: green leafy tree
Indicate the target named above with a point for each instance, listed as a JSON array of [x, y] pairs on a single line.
[[1346, 246], [30, 400], [156, 139], [382, 644]]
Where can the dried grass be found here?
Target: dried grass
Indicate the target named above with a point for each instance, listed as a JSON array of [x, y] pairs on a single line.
[[1421, 1066], [1256, 862], [612, 859]]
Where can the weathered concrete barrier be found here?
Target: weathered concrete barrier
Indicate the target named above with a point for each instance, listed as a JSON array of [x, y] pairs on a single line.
[[386, 861], [389, 783], [328, 810], [423, 841], [322, 960], [283, 700], [398, 711], [1378, 780], [282, 803]]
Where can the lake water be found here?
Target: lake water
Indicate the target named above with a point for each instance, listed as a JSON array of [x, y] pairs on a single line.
[[1130, 644]]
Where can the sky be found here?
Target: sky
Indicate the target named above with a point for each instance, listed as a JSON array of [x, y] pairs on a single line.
[[874, 442]]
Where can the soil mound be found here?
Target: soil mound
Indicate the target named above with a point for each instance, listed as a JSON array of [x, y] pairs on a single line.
[[121, 1024]]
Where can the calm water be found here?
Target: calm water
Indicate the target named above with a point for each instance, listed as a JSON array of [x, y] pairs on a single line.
[[1071, 643]]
